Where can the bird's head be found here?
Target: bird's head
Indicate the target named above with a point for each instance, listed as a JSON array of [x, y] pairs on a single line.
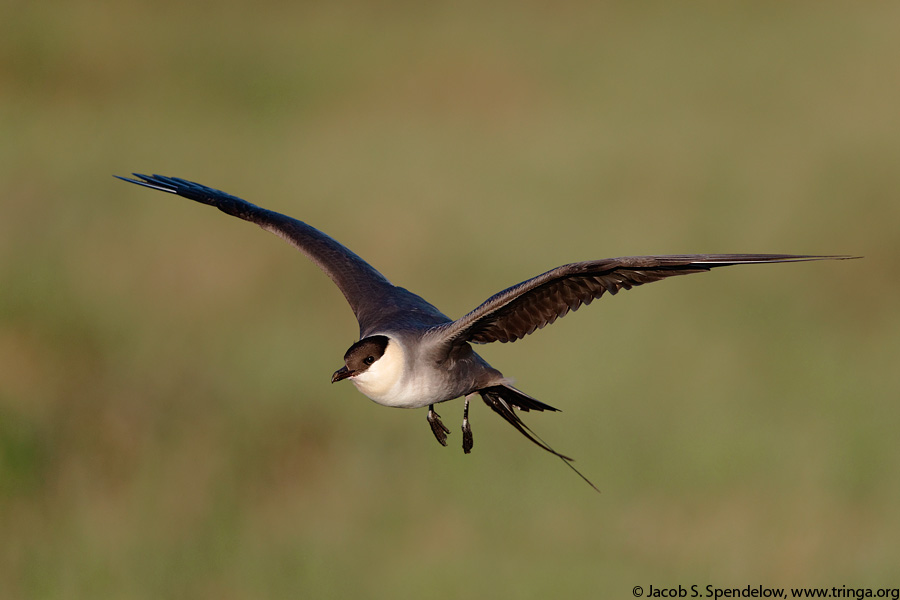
[[361, 356]]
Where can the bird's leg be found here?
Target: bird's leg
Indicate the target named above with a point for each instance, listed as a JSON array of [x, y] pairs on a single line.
[[439, 430], [468, 442]]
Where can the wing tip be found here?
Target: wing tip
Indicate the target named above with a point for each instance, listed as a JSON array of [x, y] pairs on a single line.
[[154, 182], [749, 259]]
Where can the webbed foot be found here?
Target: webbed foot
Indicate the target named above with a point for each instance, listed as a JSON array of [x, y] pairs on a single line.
[[468, 441], [439, 430]]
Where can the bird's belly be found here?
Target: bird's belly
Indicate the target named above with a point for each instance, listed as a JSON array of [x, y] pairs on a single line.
[[410, 392]]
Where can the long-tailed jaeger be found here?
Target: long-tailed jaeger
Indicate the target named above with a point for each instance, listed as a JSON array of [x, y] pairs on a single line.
[[411, 355]]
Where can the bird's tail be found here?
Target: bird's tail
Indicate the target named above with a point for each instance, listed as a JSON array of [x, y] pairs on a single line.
[[518, 398], [504, 398]]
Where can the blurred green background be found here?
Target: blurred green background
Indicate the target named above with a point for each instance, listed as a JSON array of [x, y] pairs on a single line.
[[167, 425]]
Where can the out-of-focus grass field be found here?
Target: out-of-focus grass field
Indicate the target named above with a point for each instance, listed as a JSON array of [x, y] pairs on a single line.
[[167, 425]]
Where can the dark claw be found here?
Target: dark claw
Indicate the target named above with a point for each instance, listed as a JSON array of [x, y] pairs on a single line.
[[439, 430], [468, 441]]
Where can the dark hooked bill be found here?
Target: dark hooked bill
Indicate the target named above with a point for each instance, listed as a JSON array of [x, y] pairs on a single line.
[[342, 373]]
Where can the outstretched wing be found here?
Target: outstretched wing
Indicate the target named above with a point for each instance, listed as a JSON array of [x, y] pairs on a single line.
[[522, 309], [371, 296]]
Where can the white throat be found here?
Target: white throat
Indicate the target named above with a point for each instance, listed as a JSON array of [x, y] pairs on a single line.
[[381, 381]]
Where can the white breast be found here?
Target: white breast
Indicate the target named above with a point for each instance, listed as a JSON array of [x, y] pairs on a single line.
[[389, 381]]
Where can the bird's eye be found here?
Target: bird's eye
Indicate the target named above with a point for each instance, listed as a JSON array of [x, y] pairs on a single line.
[[369, 360]]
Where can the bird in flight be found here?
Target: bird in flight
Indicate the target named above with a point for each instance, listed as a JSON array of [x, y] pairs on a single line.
[[411, 355]]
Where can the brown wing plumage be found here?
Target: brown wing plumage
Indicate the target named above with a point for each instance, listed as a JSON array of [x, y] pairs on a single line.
[[374, 300], [524, 308]]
